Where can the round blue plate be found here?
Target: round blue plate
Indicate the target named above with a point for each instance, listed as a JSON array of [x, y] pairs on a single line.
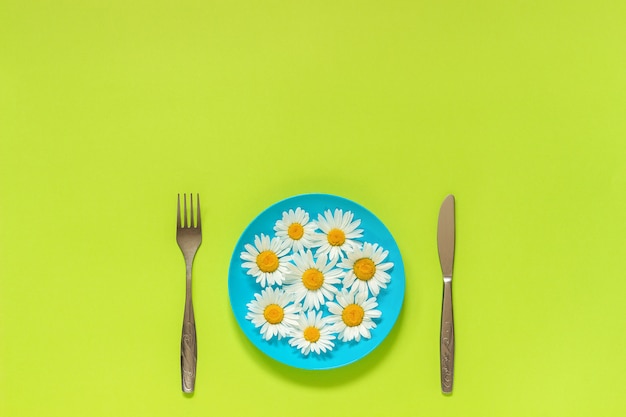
[[242, 287]]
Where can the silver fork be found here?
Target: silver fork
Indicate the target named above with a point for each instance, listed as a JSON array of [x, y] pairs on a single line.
[[188, 237]]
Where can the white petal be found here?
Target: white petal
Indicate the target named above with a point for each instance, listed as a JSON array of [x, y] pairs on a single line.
[[365, 332]]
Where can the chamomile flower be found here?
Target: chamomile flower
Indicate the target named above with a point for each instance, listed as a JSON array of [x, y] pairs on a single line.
[[296, 229], [267, 260], [366, 269], [352, 315], [312, 280], [312, 334], [338, 233], [274, 312]]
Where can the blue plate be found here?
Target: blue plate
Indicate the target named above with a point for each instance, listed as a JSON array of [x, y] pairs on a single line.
[[242, 287]]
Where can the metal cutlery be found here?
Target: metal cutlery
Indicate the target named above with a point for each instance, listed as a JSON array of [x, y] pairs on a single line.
[[445, 245], [188, 237]]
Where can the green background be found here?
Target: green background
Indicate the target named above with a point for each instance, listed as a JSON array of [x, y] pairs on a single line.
[[108, 109]]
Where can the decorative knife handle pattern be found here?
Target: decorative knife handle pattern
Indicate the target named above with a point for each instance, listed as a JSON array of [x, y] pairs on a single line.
[[188, 350], [447, 339]]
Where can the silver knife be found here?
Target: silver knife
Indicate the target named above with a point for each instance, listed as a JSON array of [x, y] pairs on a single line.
[[445, 245]]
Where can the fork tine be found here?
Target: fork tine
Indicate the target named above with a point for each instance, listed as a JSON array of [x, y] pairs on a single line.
[[199, 224], [185, 208], [178, 213], [191, 210]]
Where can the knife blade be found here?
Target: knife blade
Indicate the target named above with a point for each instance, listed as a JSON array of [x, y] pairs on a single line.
[[445, 246]]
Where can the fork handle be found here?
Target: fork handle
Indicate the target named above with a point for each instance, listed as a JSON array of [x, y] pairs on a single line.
[[447, 339], [188, 345]]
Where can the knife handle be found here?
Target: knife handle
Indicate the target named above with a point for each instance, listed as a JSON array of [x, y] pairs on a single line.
[[188, 347], [447, 339]]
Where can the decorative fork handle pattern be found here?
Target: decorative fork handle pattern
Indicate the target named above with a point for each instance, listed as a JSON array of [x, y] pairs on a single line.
[[188, 344], [447, 338]]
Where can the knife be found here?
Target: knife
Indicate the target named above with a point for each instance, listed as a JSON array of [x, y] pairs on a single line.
[[445, 245]]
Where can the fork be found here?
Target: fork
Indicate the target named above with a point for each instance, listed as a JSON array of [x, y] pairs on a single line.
[[188, 237]]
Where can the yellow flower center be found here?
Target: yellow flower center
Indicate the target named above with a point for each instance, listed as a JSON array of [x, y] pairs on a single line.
[[364, 269], [267, 261], [336, 237], [311, 334], [273, 313], [312, 279], [295, 231], [352, 315]]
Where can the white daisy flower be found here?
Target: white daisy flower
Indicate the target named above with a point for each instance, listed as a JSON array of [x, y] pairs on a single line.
[[366, 269], [267, 260], [312, 280], [296, 229], [272, 312], [352, 314], [338, 233], [312, 334]]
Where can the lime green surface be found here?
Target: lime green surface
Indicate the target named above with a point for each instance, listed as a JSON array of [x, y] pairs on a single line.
[[108, 109]]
